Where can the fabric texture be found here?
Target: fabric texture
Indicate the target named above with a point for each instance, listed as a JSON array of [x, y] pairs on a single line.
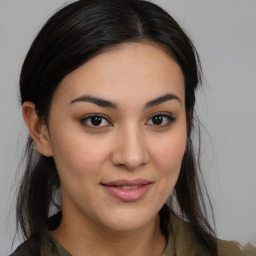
[[182, 241]]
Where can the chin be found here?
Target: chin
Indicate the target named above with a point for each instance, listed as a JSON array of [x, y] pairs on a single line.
[[125, 221]]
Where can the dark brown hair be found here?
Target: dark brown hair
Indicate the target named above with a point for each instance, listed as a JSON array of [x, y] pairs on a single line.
[[71, 37]]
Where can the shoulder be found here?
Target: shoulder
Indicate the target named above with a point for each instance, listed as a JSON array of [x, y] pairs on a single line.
[[188, 242], [31, 247], [233, 248]]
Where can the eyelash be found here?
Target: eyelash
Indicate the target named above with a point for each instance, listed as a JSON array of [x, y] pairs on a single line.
[[85, 120], [169, 117]]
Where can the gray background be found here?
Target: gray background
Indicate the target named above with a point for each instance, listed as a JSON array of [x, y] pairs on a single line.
[[225, 36]]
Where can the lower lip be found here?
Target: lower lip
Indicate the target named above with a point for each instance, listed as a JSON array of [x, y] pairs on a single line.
[[128, 195]]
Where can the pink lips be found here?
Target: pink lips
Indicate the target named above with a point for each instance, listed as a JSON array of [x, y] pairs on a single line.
[[128, 190]]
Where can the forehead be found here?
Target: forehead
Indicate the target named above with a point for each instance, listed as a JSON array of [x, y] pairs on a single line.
[[128, 71]]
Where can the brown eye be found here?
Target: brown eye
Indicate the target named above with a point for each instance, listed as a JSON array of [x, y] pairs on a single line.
[[161, 120], [157, 120], [96, 121]]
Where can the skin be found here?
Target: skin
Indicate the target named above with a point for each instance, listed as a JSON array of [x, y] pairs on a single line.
[[127, 145]]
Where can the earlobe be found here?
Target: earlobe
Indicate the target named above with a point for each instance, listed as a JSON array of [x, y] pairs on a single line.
[[37, 128]]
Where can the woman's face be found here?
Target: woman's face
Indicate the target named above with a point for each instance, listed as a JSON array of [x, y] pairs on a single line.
[[117, 131]]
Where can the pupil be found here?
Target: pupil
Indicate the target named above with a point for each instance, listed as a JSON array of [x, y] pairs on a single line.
[[157, 120], [96, 120]]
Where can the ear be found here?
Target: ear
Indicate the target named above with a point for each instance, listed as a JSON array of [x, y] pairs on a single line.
[[37, 129]]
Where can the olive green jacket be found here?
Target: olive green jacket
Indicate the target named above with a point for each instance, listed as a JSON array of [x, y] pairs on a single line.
[[183, 241]]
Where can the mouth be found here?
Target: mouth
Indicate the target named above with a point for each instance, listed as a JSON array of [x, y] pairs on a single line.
[[129, 187], [128, 190]]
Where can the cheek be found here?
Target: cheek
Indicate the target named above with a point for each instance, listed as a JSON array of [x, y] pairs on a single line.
[[168, 155], [169, 152], [77, 155]]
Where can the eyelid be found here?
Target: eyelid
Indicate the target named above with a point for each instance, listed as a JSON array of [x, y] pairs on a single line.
[[169, 116], [87, 117]]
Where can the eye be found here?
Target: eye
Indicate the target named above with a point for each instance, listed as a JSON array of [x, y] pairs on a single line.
[[161, 120], [96, 121]]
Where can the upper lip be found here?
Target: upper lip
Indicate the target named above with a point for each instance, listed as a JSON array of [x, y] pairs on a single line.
[[135, 182]]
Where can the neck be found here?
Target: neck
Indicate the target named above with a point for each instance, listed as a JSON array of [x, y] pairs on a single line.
[[90, 239]]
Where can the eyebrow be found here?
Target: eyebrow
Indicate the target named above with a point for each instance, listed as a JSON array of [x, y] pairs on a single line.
[[162, 99], [98, 101], [108, 104]]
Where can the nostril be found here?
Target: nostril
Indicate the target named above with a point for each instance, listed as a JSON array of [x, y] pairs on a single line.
[[130, 151]]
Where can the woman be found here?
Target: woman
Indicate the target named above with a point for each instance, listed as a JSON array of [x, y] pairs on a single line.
[[108, 94]]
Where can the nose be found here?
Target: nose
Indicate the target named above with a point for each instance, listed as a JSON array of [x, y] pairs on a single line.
[[130, 150]]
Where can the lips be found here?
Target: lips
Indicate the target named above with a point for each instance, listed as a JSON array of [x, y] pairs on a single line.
[[128, 190], [129, 187]]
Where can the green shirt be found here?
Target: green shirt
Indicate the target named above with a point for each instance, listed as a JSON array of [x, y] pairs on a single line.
[[182, 241]]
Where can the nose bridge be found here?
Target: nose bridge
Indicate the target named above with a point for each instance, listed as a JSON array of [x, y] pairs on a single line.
[[131, 151]]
